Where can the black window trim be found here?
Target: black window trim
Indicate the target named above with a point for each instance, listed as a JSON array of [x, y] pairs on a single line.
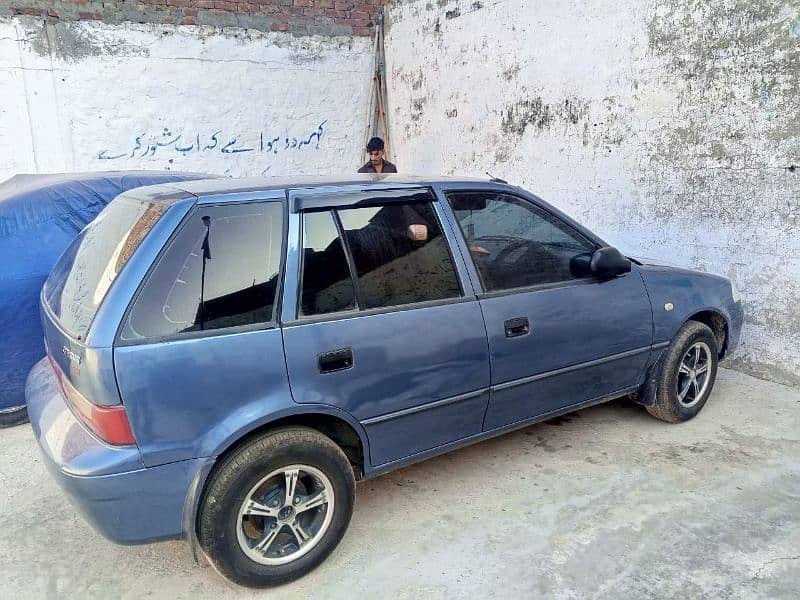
[[538, 287], [205, 333], [348, 257], [358, 311], [321, 198], [483, 293]]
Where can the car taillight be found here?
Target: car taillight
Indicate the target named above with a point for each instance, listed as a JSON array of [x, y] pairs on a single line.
[[109, 423]]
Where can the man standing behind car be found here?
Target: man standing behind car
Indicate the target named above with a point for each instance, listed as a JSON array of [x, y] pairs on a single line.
[[376, 162]]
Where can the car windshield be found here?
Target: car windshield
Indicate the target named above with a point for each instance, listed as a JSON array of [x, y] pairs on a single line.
[[84, 273]]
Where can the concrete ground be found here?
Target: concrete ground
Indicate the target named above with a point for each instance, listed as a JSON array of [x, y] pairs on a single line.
[[604, 503]]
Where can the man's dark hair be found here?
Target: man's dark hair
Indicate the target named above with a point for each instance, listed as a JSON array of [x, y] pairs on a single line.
[[375, 143]]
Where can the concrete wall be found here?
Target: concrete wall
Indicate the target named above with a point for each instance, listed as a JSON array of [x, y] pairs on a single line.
[[672, 128], [83, 96]]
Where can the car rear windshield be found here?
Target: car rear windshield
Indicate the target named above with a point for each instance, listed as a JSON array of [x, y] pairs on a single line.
[[84, 273]]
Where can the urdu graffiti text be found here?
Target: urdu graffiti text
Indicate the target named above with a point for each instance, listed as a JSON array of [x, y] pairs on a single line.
[[168, 142]]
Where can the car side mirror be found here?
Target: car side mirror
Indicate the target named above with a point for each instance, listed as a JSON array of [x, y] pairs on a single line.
[[608, 262]]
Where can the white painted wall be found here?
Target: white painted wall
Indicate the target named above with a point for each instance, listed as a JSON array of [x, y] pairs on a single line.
[[667, 126], [91, 96]]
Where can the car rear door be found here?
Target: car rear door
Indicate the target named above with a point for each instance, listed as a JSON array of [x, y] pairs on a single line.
[[381, 321], [556, 338]]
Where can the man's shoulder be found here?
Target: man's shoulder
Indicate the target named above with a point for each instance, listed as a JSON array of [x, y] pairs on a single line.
[[389, 167], [367, 168]]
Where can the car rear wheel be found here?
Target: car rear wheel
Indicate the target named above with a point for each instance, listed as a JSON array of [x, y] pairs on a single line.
[[276, 507], [687, 375]]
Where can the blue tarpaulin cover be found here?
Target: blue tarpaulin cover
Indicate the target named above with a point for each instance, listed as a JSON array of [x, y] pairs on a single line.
[[39, 216]]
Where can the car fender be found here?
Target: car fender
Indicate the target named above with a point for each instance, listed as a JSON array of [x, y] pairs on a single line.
[[676, 295]]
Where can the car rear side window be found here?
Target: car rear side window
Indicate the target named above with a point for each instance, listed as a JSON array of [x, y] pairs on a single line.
[[399, 253], [221, 270], [394, 252]]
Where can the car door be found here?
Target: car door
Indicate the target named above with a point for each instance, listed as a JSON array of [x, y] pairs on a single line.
[[382, 322], [557, 338]]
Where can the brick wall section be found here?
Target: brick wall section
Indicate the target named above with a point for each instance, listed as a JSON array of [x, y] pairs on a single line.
[[300, 17]]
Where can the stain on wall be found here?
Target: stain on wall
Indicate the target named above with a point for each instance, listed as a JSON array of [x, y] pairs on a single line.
[[670, 127], [517, 117]]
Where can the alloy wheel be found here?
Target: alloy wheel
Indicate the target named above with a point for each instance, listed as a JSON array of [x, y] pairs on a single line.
[[285, 515], [693, 374]]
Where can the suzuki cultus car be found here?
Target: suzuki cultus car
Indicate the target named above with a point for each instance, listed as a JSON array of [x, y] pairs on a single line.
[[226, 358]]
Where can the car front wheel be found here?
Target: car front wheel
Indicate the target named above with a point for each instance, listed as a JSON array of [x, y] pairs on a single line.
[[276, 507], [688, 372]]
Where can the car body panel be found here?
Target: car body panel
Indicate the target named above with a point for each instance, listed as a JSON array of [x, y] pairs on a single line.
[[184, 397], [486, 434], [586, 340], [401, 360], [63, 439], [110, 486], [678, 294], [425, 378]]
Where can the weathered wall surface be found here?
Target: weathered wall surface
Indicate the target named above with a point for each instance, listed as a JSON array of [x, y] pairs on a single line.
[[671, 127], [83, 96]]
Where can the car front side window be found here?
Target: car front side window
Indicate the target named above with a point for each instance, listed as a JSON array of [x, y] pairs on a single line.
[[515, 244]]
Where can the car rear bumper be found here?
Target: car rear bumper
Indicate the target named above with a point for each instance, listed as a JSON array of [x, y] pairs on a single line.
[[125, 501]]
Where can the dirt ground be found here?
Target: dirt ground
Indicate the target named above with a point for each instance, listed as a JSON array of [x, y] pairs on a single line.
[[604, 503]]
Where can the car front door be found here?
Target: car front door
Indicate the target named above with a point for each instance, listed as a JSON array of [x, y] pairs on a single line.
[[557, 338], [383, 322]]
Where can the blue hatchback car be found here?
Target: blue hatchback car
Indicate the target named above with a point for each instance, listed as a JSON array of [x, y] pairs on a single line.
[[227, 358]]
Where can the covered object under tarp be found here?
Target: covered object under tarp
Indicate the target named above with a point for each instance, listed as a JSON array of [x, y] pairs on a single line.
[[39, 216]]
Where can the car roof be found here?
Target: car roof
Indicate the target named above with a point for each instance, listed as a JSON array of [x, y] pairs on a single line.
[[244, 186]]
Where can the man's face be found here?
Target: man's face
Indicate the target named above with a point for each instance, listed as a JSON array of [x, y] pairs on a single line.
[[375, 157]]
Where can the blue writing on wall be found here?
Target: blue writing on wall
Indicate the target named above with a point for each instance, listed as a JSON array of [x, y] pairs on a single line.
[[166, 142]]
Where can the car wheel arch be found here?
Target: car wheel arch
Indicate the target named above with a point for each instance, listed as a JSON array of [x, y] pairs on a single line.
[[342, 428], [715, 321], [710, 317]]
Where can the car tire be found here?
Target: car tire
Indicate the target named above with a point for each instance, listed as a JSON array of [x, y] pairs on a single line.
[[246, 527], [687, 376], [13, 416]]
